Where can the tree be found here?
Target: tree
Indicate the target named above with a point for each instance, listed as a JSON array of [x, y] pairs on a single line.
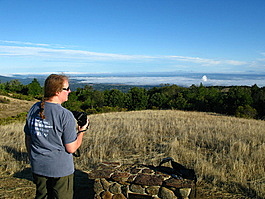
[[84, 93], [258, 96], [97, 99], [179, 102], [13, 86], [196, 97], [114, 98], [237, 96], [137, 99], [34, 88], [246, 112], [157, 100]]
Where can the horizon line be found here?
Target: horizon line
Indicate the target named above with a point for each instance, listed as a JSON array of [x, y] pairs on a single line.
[[127, 73]]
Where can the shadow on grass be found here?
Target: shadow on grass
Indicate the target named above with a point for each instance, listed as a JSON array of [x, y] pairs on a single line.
[[237, 188], [246, 191], [83, 186], [24, 174], [17, 155]]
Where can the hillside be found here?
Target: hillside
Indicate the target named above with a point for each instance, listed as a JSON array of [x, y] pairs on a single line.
[[14, 106], [227, 153]]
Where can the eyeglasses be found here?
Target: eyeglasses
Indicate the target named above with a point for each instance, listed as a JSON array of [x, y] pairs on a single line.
[[67, 89]]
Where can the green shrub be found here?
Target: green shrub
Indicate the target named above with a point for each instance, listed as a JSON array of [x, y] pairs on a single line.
[[22, 97], [246, 112], [8, 120]]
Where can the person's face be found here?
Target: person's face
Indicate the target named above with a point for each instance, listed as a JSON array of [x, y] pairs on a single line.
[[63, 95]]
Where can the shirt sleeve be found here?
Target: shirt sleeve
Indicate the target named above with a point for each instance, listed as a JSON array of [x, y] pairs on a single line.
[[69, 129], [26, 129], [29, 116]]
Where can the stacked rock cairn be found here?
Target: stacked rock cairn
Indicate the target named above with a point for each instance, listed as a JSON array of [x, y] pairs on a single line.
[[113, 180]]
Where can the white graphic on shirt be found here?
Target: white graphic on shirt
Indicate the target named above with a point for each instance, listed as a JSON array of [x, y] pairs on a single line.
[[40, 127]]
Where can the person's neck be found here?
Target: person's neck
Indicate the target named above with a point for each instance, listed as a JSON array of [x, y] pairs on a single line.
[[53, 100]]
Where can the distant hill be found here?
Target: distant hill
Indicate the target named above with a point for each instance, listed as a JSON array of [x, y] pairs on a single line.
[[5, 79], [24, 79]]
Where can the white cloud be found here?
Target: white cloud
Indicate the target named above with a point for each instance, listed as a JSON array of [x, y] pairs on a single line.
[[195, 60], [235, 63], [23, 43], [64, 53], [207, 62], [54, 52]]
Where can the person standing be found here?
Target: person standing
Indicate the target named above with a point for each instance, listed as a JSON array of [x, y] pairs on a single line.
[[51, 138]]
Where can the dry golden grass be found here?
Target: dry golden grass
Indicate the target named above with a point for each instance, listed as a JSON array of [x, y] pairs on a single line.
[[227, 153], [14, 107]]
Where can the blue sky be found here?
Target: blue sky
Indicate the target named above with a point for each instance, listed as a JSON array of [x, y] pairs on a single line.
[[110, 36]]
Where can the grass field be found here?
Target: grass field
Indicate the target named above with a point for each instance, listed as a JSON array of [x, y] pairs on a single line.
[[227, 153]]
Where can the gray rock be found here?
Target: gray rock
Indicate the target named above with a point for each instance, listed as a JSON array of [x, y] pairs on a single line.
[[98, 186], [105, 184], [152, 190], [115, 188], [166, 193], [150, 180], [137, 188], [118, 196], [185, 192], [106, 195]]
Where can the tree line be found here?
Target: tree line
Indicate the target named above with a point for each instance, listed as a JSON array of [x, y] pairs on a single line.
[[240, 101]]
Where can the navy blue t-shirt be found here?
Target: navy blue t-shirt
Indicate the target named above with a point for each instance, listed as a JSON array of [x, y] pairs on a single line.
[[48, 137]]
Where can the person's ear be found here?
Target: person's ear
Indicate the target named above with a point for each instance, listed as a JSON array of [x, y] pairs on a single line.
[[57, 93]]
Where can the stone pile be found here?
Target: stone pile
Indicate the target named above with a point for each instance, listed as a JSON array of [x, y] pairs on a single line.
[[117, 181]]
